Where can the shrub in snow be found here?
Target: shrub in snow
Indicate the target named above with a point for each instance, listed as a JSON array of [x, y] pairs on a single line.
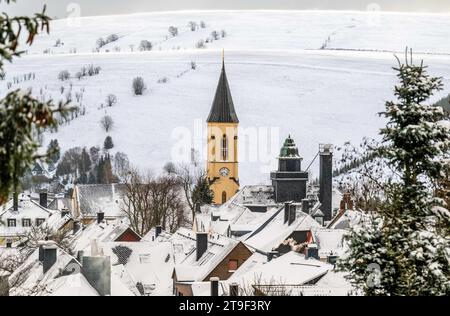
[[202, 24], [193, 65], [163, 80], [223, 33], [64, 75], [200, 44], [173, 31], [138, 86], [193, 26], [100, 42], [145, 45], [108, 143], [112, 38], [107, 123], [111, 100], [2, 75], [215, 35]]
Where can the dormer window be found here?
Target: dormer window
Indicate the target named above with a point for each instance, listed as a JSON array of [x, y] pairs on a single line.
[[12, 222]]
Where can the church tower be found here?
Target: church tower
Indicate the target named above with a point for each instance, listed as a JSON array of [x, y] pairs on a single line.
[[222, 163]]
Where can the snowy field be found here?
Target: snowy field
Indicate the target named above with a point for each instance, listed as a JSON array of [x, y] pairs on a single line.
[[279, 78]]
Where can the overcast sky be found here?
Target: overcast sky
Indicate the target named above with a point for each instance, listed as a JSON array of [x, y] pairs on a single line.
[[59, 8]]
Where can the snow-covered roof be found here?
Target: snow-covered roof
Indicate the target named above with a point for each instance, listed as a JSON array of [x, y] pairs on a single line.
[[148, 263], [290, 269], [94, 198], [329, 241], [347, 219], [274, 231], [191, 269], [32, 278]]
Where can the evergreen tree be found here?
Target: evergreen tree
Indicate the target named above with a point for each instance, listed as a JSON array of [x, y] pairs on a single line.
[[53, 151], [202, 192], [108, 143], [85, 161], [405, 249], [91, 179], [21, 115]]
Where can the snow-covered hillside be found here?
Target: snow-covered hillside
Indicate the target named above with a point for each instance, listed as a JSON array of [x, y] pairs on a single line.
[[278, 75]]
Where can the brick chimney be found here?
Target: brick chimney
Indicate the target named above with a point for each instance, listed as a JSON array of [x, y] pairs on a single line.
[[100, 217], [214, 286]]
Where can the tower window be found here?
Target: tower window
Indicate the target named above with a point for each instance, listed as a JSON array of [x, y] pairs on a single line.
[[224, 148], [224, 197]]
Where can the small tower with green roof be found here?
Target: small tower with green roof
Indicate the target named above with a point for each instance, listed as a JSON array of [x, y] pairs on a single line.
[[289, 181]]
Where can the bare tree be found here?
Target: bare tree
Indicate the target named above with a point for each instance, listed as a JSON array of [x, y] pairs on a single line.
[[215, 35], [111, 100], [193, 26], [121, 164], [193, 180], [64, 75], [151, 201], [173, 31], [107, 123], [145, 45]]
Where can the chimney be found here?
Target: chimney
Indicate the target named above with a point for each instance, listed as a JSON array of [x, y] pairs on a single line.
[[292, 214], [16, 201], [311, 251], [202, 244], [8, 244], [76, 226], [305, 206], [43, 196], [234, 289], [214, 286], [49, 256], [64, 212], [80, 255], [100, 217], [4, 284], [287, 207], [332, 259], [271, 255], [325, 179], [97, 271], [158, 231]]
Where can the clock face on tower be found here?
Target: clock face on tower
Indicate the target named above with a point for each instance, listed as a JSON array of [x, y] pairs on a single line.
[[224, 172]]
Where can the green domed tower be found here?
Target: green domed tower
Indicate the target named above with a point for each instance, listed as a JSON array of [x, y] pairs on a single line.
[[289, 181]]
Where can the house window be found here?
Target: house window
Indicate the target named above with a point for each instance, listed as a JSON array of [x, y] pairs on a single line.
[[224, 197], [233, 265], [26, 222], [11, 222], [224, 148], [40, 221]]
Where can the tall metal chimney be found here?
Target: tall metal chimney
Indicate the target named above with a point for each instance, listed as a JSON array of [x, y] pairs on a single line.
[[325, 179], [202, 244]]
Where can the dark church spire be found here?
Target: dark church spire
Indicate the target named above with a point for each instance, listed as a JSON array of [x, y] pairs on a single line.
[[222, 110]]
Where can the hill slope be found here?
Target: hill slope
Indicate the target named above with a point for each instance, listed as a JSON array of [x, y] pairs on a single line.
[[278, 77]]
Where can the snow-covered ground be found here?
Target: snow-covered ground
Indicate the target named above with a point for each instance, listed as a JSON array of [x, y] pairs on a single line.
[[278, 75]]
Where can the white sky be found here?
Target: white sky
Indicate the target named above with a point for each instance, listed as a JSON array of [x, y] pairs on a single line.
[[59, 8]]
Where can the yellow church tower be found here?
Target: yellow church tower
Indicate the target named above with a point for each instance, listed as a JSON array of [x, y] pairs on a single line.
[[222, 162]]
